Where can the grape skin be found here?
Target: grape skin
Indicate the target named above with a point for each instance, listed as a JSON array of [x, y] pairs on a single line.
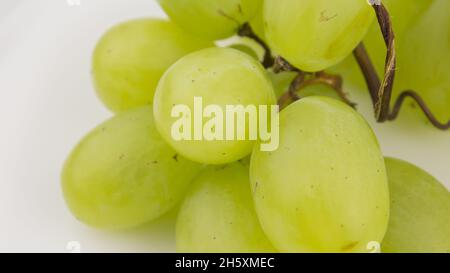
[[122, 174], [220, 76], [218, 214], [316, 34], [420, 211], [130, 58], [212, 19], [325, 188]]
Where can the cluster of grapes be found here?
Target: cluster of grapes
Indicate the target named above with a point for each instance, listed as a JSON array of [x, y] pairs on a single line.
[[327, 188]]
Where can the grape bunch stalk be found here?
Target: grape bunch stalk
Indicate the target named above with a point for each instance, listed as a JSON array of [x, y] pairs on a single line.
[[380, 90], [176, 139]]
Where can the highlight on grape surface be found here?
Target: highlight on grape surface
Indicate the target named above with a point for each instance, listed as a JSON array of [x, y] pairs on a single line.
[[240, 116]]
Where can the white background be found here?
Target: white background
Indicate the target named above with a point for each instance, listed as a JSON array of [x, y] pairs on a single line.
[[48, 103]]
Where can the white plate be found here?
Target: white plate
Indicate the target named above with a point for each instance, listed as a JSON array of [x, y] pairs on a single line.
[[48, 104]]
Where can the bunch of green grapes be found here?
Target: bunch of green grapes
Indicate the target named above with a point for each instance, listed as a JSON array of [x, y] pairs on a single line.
[[131, 57], [326, 187]]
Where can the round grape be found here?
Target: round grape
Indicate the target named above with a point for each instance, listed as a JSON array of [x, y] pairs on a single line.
[[130, 59], [325, 188], [122, 174], [218, 214]]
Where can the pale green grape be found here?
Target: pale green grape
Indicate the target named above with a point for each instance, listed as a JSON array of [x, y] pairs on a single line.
[[316, 34], [420, 211], [257, 24], [404, 14], [218, 214], [214, 19], [219, 76], [122, 174], [425, 61], [325, 188], [130, 59]]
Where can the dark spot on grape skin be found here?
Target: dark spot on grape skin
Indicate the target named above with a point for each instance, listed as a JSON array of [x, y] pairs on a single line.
[[239, 7], [349, 246], [325, 18], [122, 156], [175, 157], [256, 187], [214, 238]]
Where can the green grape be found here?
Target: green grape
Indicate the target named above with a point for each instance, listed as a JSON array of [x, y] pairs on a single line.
[[122, 174], [325, 189], [316, 34], [404, 14], [218, 214], [213, 19], [420, 211], [219, 76], [257, 24], [425, 61], [130, 59]]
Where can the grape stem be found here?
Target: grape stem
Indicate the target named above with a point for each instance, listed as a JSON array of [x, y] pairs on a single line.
[[247, 31], [305, 79], [381, 91]]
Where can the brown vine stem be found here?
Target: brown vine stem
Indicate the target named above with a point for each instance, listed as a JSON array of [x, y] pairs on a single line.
[[291, 95], [247, 31], [305, 79], [381, 91]]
